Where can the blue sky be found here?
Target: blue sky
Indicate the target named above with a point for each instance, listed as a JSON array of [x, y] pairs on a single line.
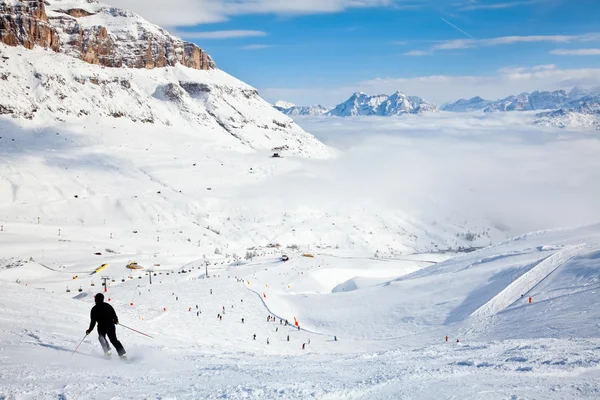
[[320, 51]]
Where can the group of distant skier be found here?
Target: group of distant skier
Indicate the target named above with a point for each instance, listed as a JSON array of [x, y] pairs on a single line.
[[104, 315]]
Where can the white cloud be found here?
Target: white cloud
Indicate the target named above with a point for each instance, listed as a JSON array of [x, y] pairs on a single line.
[[256, 46], [192, 12], [220, 34], [417, 53], [498, 6], [445, 88], [507, 40], [576, 52], [544, 67], [495, 166]]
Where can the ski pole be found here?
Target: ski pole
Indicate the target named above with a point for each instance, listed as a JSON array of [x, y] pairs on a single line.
[[131, 329], [74, 351]]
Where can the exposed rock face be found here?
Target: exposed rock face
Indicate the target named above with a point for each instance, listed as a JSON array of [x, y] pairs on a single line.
[[97, 34], [25, 23]]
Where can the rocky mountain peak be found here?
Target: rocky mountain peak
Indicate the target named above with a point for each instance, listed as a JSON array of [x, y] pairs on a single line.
[[96, 33], [25, 23]]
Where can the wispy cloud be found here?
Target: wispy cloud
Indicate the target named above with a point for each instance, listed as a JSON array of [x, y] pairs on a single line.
[[498, 6], [417, 53], [506, 40], [221, 34], [257, 46], [576, 52], [174, 13]]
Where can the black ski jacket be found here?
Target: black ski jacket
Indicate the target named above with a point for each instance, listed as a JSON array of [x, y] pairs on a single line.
[[104, 315]]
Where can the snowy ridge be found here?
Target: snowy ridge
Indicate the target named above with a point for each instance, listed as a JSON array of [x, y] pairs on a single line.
[[382, 105]]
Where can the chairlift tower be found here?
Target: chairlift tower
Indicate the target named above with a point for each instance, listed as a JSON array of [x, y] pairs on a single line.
[[105, 278]]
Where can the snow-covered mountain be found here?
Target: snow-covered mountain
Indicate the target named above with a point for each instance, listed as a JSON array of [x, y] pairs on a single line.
[[586, 114], [474, 104], [381, 105], [82, 59], [531, 102], [303, 110], [284, 104], [96, 33], [191, 142], [537, 100]]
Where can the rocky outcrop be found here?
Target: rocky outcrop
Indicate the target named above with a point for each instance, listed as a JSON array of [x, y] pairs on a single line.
[[25, 23], [97, 34]]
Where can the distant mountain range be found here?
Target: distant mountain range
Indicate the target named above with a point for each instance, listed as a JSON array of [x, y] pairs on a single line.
[[585, 114], [525, 101], [575, 108], [361, 104]]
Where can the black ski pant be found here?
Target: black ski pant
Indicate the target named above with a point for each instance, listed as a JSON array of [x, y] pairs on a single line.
[[112, 336]]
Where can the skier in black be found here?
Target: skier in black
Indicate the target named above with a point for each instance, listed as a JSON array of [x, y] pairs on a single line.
[[103, 314]]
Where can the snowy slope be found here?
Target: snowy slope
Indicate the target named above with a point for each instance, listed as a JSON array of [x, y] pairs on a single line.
[[390, 323], [47, 86], [381, 105]]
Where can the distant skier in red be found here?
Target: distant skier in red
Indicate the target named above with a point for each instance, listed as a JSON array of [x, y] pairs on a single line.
[[106, 317]]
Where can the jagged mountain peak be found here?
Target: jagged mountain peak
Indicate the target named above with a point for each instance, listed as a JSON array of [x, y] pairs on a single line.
[[398, 103]]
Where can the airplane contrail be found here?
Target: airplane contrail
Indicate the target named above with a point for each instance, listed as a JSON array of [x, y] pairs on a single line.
[[457, 28]]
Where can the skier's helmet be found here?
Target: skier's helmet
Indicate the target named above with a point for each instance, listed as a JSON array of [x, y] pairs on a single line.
[[99, 298]]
